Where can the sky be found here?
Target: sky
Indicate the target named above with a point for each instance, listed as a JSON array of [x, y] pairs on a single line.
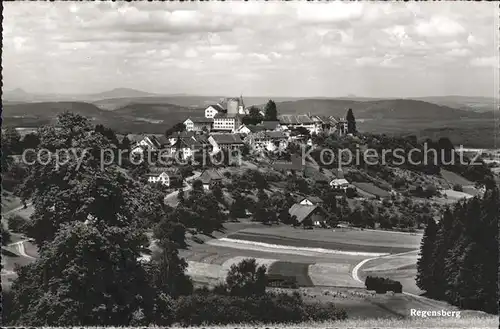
[[328, 49]]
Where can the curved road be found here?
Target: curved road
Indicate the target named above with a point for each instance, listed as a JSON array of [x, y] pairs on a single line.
[[355, 273]]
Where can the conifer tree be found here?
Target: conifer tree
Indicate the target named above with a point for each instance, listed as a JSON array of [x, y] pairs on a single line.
[[425, 262], [351, 122]]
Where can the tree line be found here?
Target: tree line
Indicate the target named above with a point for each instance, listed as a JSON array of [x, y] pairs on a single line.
[[459, 254]]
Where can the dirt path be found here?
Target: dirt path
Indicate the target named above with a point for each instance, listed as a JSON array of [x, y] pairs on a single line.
[[21, 207], [19, 246]]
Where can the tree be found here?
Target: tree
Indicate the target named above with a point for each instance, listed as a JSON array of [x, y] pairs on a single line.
[[89, 224], [125, 144], [11, 141], [351, 122], [180, 195], [84, 262], [425, 262], [246, 278], [301, 131], [254, 117], [238, 207], [178, 127], [284, 216], [107, 133], [30, 141], [197, 185], [167, 268], [271, 113], [6, 238], [217, 192]]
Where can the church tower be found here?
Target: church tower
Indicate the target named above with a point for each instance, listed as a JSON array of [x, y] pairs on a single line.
[[241, 107]]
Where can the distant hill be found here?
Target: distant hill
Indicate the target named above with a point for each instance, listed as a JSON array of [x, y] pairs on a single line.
[[167, 114], [477, 104], [120, 93], [154, 118], [190, 101], [19, 95], [400, 109], [180, 100]]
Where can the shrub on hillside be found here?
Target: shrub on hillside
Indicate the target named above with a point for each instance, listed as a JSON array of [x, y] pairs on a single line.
[[351, 192], [458, 188], [246, 278], [198, 309], [282, 281], [383, 285], [17, 223]]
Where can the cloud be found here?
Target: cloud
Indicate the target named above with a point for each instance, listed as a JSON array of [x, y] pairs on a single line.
[[458, 52], [439, 26], [191, 53], [333, 12], [492, 61], [260, 57], [83, 46], [229, 56]]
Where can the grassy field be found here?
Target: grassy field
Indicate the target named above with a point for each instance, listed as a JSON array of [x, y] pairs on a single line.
[[302, 242], [453, 178], [351, 239], [371, 189], [427, 323], [9, 201]]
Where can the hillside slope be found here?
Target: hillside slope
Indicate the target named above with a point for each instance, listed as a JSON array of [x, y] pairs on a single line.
[[166, 113], [478, 104], [398, 109], [136, 118]]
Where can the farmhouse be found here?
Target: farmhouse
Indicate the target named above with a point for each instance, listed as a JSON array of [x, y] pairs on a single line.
[[185, 147], [292, 122], [310, 201], [243, 129], [247, 129], [226, 122], [327, 124], [225, 142], [308, 215], [165, 176], [270, 125], [339, 184], [267, 140], [142, 143], [212, 110], [183, 134], [198, 124], [341, 127], [210, 178]]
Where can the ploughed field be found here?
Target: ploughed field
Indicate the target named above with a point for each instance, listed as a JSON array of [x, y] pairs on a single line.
[[336, 239], [317, 257]]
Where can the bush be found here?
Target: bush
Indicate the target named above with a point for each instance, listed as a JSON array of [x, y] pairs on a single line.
[[197, 309], [351, 192], [282, 281], [383, 285], [246, 278], [322, 312], [458, 188], [164, 310]]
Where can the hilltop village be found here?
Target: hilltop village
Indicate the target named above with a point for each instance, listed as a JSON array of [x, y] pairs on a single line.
[[230, 125]]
